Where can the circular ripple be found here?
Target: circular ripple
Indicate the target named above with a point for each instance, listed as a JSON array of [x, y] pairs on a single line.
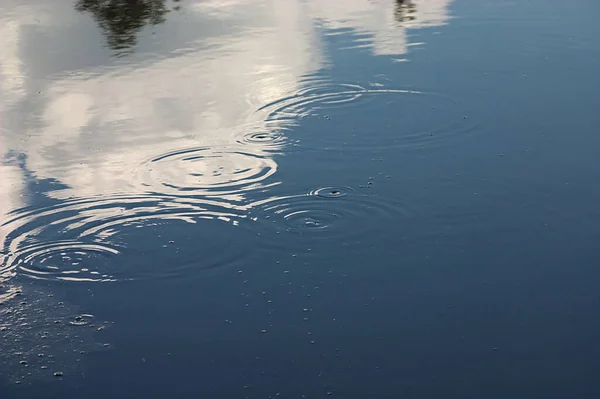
[[123, 238], [378, 118], [331, 192], [64, 260], [206, 171], [320, 95], [265, 139], [307, 220], [82, 320], [326, 213], [262, 138]]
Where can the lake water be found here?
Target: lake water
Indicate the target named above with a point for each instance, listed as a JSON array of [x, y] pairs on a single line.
[[299, 199]]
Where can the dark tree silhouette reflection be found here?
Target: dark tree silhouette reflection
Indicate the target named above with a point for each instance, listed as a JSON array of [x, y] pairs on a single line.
[[405, 11], [121, 20]]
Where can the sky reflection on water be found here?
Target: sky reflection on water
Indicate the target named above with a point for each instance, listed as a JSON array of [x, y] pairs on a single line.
[[368, 198], [172, 121]]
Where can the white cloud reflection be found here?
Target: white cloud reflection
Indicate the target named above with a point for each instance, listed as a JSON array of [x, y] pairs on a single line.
[[93, 127], [386, 22]]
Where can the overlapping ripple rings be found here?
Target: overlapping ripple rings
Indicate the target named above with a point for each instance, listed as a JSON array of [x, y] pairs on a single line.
[[340, 116], [64, 260], [95, 239], [207, 171], [327, 212]]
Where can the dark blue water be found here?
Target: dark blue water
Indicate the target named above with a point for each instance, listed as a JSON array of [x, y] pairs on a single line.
[[299, 199]]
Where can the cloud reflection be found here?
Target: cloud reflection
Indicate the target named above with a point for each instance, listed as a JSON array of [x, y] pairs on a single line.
[[385, 22], [181, 117]]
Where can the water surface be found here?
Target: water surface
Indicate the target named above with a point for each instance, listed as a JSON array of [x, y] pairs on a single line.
[[299, 199]]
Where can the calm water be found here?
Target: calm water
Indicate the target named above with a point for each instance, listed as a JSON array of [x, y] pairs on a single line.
[[299, 199]]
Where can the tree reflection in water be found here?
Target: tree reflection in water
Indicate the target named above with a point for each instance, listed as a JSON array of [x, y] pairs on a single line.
[[121, 20], [405, 11]]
